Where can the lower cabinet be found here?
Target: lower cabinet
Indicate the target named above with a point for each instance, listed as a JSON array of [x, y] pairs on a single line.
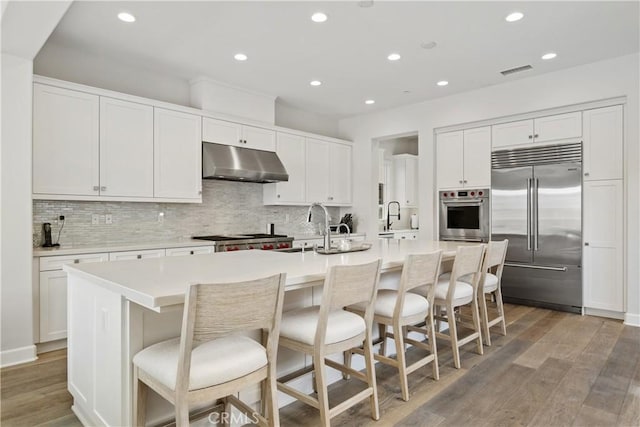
[[128, 255], [406, 235], [603, 266], [199, 250], [52, 290]]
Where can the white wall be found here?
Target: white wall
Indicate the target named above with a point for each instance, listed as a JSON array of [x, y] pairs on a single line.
[[93, 69], [295, 118], [15, 212], [600, 80]]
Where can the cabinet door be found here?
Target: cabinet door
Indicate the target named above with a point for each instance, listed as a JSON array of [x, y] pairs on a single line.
[[512, 133], [449, 160], [339, 174], [603, 240], [291, 150], [221, 132], [126, 148], [53, 305], [317, 164], [177, 155], [129, 255], [258, 138], [560, 126], [196, 250], [65, 141], [477, 157], [603, 144], [411, 181]]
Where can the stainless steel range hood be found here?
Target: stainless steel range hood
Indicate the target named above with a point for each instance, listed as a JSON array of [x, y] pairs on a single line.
[[241, 164]]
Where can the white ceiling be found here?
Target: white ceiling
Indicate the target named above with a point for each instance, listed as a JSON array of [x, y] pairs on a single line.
[[348, 52]]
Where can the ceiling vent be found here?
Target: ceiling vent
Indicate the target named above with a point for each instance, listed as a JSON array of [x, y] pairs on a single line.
[[516, 70]]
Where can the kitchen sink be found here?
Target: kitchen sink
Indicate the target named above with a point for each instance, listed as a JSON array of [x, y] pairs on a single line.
[[332, 251]]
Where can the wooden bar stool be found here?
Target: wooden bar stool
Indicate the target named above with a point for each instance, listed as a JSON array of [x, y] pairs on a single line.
[[452, 292], [490, 284], [403, 310], [328, 328], [210, 360]]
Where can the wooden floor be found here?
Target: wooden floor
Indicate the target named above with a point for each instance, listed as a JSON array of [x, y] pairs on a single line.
[[552, 369]]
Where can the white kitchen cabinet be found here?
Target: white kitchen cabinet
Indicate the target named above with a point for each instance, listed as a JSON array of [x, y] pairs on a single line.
[[328, 177], [65, 142], [195, 250], [405, 235], [291, 151], [229, 133], [603, 143], [405, 182], [541, 129], [177, 155], [52, 290], [129, 255], [126, 148], [464, 159], [603, 278]]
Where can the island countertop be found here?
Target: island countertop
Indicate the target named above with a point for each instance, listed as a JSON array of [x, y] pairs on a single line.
[[161, 282]]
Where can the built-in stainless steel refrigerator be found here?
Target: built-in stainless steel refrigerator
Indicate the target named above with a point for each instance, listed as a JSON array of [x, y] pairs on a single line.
[[536, 200]]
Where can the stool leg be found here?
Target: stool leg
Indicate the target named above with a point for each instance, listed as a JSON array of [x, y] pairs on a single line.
[[182, 413], [382, 328], [501, 309], [484, 318], [272, 413], [371, 376], [453, 335], [347, 362], [433, 346], [139, 414], [476, 324], [398, 332], [321, 386]]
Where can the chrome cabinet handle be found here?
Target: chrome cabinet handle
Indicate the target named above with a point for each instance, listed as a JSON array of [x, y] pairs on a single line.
[[536, 135], [139, 257], [96, 188], [530, 136], [278, 196], [76, 261], [586, 243], [586, 174], [191, 252], [103, 188], [460, 181]]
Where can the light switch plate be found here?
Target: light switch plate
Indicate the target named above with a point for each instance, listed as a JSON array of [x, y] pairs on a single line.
[[95, 219], [108, 219]]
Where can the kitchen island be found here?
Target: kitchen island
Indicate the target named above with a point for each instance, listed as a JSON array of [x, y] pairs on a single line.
[[115, 309]]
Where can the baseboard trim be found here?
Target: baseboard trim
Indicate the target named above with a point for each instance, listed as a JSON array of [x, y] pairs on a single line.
[[18, 356], [632, 319], [603, 313], [51, 345]]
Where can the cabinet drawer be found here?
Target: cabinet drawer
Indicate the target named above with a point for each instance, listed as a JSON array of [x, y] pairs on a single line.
[[56, 262], [197, 250], [121, 256]]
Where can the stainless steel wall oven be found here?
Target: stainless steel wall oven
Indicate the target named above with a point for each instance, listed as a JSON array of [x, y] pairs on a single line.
[[464, 215]]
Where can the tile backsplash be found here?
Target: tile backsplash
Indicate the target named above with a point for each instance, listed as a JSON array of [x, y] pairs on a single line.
[[227, 208]]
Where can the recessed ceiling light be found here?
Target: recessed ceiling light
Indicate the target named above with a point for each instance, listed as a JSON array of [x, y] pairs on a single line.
[[240, 57], [442, 83], [318, 17], [393, 57], [549, 55], [365, 3], [126, 17], [515, 16], [428, 45], [315, 82], [370, 101]]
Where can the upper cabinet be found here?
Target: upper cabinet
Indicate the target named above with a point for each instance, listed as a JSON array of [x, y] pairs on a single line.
[[291, 151], [229, 133], [66, 152], [177, 155], [542, 129], [92, 147], [405, 180], [126, 133], [603, 143], [464, 159], [328, 176]]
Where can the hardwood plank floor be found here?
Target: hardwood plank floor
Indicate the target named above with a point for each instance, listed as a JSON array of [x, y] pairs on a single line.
[[552, 369]]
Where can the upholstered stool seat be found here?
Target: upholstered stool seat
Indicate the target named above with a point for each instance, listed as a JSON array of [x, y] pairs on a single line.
[[462, 294], [301, 325], [490, 281], [414, 304], [212, 363]]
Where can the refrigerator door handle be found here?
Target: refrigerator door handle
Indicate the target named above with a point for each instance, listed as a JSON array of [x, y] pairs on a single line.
[[528, 214], [535, 267], [536, 184]]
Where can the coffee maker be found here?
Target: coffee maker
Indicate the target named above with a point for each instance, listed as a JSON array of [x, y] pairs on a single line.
[[46, 232]]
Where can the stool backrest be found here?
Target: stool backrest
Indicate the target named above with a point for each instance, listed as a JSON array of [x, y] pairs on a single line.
[[495, 256], [419, 270], [468, 262], [347, 285], [215, 310]]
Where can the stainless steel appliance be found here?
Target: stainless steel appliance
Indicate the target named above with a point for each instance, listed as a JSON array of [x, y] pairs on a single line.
[[536, 199], [232, 163], [239, 242], [464, 215]]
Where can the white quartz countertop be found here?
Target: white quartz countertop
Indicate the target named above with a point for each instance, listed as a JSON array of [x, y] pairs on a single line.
[[160, 282], [118, 247], [320, 236]]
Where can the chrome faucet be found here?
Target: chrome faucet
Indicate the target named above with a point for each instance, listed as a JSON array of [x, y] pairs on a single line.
[[389, 213], [327, 228]]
